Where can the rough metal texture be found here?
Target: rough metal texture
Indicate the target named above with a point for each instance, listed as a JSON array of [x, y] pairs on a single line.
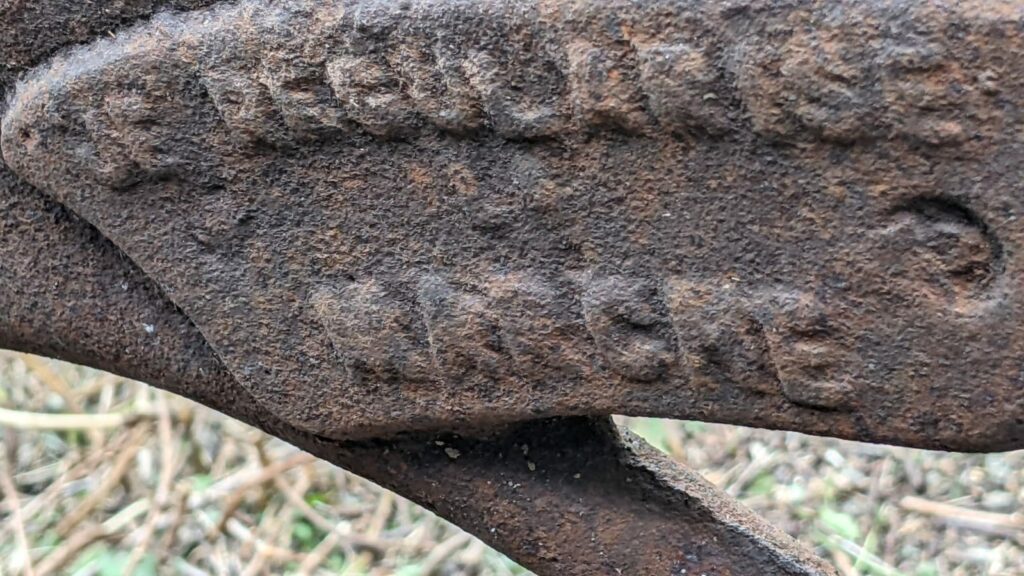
[[35, 29], [91, 307], [67, 292], [390, 217], [71, 296], [592, 503]]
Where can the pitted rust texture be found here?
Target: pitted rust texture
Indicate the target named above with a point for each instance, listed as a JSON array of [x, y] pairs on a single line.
[[36, 29], [626, 502], [74, 295], [53, 266], [75, 299], [388, 217], [67, 292], [86, 312]]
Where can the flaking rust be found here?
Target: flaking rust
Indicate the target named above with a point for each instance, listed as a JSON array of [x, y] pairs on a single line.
[[358, 224]]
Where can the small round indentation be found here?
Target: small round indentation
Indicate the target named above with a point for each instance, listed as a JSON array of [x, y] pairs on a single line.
[[947, 249]]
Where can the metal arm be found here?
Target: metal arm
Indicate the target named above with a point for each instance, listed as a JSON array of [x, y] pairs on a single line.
[[362, 224]]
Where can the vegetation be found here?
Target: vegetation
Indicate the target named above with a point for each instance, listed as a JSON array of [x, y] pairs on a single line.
[[105, 476]]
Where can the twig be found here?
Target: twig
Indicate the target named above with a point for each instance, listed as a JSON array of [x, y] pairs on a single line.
[[240, 482], [10, 492], [45, 499], [171, 532], [163, 488], [335, 537], [42, 370], [878, 566], [69, 549], [377, 523], [442, 551], [55, 382], [257, 564], [474, 553], [990, 522], [111, 480], [46, 421], [270, 523], [238, 530], [234, 489], [753, 469], [232, 503], [843, 563], [325, 525], [125, 516], [319, 554]]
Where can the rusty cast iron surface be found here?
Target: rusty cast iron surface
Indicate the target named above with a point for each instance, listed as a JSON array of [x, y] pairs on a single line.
[[345, 220], [391, 216]]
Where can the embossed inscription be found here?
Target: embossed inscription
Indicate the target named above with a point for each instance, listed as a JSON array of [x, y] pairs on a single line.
[[371, 330], [808, 355], [770, 341], [604, 89], [720, 334], [436, 82], [854, 85], [631, 332], [302, 97], [514, 325], [320, 73], [924, 88], [830, 84], [539, 325], [245, 106], [510, 113], [135, 128], [465, 337], [682, 85], [527, 328], [369, 90]]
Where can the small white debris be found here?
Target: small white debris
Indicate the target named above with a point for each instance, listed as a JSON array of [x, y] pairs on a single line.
[[531, 466], [834, 458], [149, 328], [452, 453]]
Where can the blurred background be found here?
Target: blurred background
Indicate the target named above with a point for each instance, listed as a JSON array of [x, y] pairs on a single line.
[[105, 476]]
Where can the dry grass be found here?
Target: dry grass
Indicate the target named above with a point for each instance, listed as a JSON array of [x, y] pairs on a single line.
[[120, 478]]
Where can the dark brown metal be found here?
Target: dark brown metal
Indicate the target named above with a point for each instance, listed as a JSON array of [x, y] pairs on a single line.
[[377, 218], [69, 293], [572, 497], [389, 216]]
